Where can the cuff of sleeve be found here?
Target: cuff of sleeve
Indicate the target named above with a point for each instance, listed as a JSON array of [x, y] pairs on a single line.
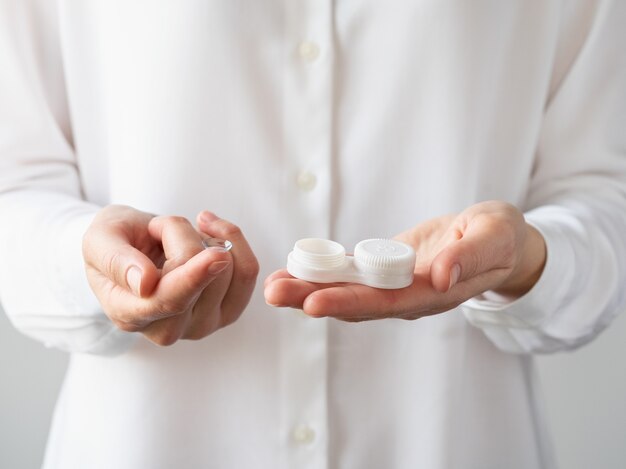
[[85, 329], [75, 334], [74, 292], [45, 290], [532, 309]]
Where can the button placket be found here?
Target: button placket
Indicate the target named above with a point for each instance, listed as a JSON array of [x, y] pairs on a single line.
[[308, 106]]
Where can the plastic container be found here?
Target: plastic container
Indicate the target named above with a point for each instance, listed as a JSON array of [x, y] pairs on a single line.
[[379, 263]]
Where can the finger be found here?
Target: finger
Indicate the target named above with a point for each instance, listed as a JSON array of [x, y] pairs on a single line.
[[207, 315], [245, 264], [168, 331], [171, 311], [349, 301], [282, 273], [290, 292], [184, 283], [107, 248], [353, 301], [174, 295], [481, 249], [178, 289], [179, 238]]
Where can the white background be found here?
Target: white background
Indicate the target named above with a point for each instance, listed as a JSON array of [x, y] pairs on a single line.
[[585, 393]]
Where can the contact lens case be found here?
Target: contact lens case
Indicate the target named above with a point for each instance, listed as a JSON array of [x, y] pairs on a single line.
[[379, 263]]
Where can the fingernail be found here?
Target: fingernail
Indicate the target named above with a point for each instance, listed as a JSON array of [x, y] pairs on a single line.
[[217, 267], [455, 273], [133, 279]]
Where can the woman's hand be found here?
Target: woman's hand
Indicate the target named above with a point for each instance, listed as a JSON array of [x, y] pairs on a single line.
[[488, 246], [153, 275]]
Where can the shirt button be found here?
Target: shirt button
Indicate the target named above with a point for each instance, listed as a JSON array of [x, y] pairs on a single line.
[[303, 434], [308, 51], [306, 181]]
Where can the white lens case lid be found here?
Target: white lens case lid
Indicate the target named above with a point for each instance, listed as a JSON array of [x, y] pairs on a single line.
[[380, 263]]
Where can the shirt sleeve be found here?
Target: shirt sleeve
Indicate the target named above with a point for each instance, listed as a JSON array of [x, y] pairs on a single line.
[[576, 196], [43, 216]]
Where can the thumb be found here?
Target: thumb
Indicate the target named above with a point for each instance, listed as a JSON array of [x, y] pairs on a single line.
[[478, 251], [110, 253]]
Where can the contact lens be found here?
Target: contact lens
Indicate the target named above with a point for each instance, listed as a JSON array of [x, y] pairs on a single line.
[[217, 243]]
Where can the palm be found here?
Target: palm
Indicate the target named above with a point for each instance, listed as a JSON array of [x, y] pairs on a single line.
[[427, 239]]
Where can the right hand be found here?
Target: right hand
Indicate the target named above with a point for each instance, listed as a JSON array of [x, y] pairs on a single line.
[[153, 275]]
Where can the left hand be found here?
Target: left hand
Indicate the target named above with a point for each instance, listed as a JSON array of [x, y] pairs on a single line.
[[488, 246]]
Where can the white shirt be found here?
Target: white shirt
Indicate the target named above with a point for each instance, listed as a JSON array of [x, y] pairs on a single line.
[[343, 120]]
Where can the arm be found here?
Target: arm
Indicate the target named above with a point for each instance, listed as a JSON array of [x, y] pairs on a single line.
[[576, 205], [577, 196], [42, 284], [145, 274]]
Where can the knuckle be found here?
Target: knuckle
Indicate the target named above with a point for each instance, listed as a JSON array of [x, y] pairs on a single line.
[[197, 334], [193, 336], [177, 220], [250, 270], [111, 262], [165, 338], [170, 307], [230, 229], [131, 319], [228, 319], [127, 326]]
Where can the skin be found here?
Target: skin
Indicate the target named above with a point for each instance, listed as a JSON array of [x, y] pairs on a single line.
[[152, 274], [492, 245]]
